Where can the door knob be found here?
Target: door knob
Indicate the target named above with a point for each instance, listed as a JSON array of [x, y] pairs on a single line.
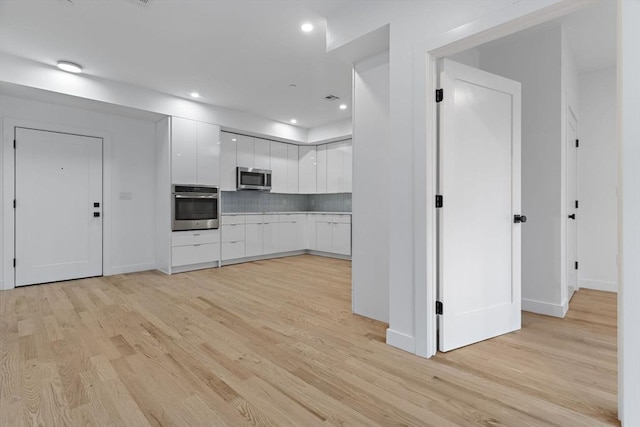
[[572, 216], [519, 218]]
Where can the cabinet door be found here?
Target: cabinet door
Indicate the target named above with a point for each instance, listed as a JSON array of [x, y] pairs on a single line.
[[279, 160], [311, 232], [208, 153], [292, 169], [321, 169], [269, 237], [347, 167], [287, 238], [324, 235], [307, 170], [262, 153], [253, 239], [244, 149], [341, 238], [183, 151], [334, 168], [228, 161], [301, 232]]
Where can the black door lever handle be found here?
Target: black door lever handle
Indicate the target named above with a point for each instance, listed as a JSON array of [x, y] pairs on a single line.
[[572, 216], [519, 218]]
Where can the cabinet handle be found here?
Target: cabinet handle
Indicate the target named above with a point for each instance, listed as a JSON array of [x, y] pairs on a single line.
[[198, 244], [196, 235], [235, 241]]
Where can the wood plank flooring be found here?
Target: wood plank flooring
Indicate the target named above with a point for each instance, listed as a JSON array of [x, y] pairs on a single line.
[[274, 343]]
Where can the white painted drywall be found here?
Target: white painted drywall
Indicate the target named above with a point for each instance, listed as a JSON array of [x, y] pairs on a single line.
[[129, 160], [470, 57], [629, 285], [370, 205], [598, 180], [535, 61], [334, 131], [20, 71]]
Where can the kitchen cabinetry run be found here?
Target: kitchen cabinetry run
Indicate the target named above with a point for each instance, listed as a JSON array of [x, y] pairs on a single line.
[[195, 152]]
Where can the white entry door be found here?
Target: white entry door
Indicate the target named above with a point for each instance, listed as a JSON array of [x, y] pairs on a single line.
[[479, 179], [58, 214], [572, 203]]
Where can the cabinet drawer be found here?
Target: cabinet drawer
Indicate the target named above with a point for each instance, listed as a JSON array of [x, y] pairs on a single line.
[[233, 219], [253, 219], [324, 218], [342, 219], [288, 218], [269, 219], [232, 250], [196, 254], [232, 232], [189, 238]]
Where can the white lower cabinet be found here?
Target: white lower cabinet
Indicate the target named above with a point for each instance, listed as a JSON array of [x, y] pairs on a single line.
[[233, 237], [269, 234], [195, 247], [253, 236], [333, 234], [292, 232]]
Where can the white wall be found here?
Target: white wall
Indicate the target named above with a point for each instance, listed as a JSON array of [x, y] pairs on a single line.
[[129, 159], [370, 205], [534, 59], [334, 131], [598, 180]]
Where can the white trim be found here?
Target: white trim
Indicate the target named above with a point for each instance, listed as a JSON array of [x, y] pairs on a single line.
[[598, 285], [546, 308], [131, 268], [8, 252], [402, 341]]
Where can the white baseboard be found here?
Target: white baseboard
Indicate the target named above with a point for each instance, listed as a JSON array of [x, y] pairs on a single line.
[[598, 285], [401, 341], [546, 308], [131, 268]]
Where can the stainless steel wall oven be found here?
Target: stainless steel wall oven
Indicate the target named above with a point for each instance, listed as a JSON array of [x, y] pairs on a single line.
[[195, 207]]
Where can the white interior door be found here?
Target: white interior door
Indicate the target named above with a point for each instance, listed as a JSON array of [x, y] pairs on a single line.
[[572, 203], [479, 179], [58, 214]]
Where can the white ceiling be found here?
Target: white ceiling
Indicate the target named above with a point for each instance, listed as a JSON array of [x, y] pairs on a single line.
[[239, 54]]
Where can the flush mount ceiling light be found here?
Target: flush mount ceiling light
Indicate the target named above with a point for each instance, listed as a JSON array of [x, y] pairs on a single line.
[[293, 121], [343, 106], [307, 27], [195, 95], [69, 66]]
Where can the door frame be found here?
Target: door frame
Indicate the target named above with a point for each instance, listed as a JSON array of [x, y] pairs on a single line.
[[569, 113], [455, 41], [7, 249]]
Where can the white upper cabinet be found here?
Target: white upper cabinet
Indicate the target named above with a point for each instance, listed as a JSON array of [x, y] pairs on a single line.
[[183, 151], [279, 167], [262, 154], [307, 169], [195, 152], [339, 167], [321, 169], [245, 151], [208, 153], [292, 169], [228, 161]]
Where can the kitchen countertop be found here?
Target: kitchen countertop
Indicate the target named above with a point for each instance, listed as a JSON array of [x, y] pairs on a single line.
[[284, 213]]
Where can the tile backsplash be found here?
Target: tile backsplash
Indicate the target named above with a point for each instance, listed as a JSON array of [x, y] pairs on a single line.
[[260, 201]]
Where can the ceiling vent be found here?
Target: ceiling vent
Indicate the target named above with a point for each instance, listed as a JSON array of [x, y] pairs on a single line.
[[331, 97]]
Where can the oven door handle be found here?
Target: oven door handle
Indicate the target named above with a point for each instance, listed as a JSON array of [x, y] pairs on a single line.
[[178, 196]]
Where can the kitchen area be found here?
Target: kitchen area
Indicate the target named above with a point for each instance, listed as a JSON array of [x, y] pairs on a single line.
[[224, 197]]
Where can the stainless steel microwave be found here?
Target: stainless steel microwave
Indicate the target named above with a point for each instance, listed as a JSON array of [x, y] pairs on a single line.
[[195, 207], [253, 179]]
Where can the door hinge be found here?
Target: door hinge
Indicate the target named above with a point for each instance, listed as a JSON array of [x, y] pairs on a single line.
[[439, 201], [576, 265], [576, 204], [438, 307], [439, 95], [14, 203], [577, 143], [14, 263], [14, 144]]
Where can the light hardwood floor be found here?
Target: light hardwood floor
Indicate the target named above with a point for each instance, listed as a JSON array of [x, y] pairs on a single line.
[[275, 343]]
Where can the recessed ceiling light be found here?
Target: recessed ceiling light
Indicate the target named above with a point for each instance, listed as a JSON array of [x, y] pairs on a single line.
[[234, 139], [69, 66], [343, 106], [293, 121], [195, 95], [307, 27]]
